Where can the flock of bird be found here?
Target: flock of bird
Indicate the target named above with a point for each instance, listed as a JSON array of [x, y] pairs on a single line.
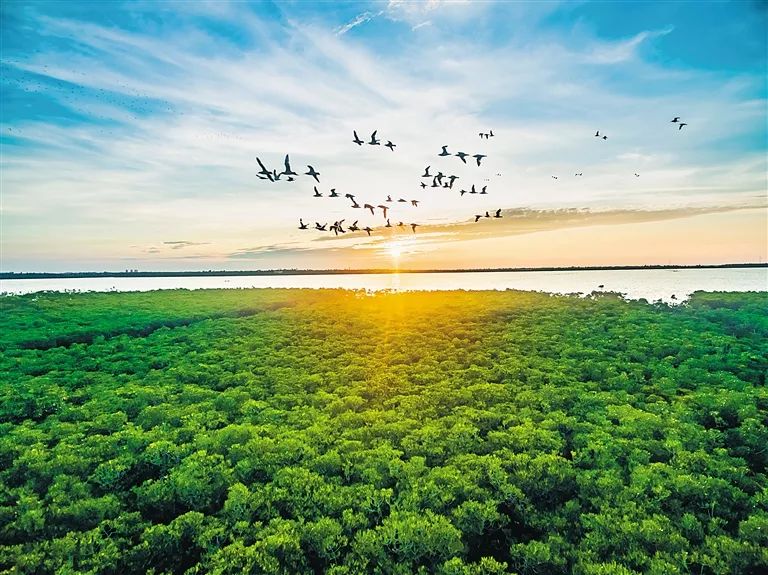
[[438, 180]]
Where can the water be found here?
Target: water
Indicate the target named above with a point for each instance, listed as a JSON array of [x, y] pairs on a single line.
[[635, 284]]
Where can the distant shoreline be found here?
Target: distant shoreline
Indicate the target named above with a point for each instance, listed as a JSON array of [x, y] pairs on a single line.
[[299, 272]]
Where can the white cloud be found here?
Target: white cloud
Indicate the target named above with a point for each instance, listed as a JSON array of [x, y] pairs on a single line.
[[189, 167]]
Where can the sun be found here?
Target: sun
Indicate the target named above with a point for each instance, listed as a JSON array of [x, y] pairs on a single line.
[[395, 250]]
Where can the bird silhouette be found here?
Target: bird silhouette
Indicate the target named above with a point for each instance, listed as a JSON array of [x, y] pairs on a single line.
[[288, 171], [357, 140], [402, 200], [554, 177], [426, 173], [579, 174], [319, 227], [445, 152], [350, 196], [439, 177], [477, 218], [637, 175], [483, 190], [389, 198], [498, 213], [491, 134], [479, 157], [675, 120], [680, 126], [333, 193], [597, 134], [313, 173], [605, 137], [369, 207], [461, 156], [368, 229], [383, 209], [400, 225], [355, 204], [265, 171], [413, 227], [415, 203], [390, 145], [353, 227], [302, 225], [462, 192], [317, 194], [423, 185], [374, 141], [473, 190], [453, 179], [388, 224]]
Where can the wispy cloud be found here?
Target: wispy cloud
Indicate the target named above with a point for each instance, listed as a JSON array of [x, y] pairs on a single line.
[[360, 19], [112, 134], [178, 245]]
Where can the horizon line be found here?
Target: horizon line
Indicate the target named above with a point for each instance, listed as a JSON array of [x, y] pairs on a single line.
[[372, 271]]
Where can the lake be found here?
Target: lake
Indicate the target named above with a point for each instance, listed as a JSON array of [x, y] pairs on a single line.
[[635, 284]]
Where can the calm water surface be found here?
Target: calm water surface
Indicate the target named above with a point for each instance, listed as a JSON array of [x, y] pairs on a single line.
[[635, 284]]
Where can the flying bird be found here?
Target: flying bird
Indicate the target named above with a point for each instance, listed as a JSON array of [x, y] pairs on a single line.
[[423, 185], [383, 208], [265, 171], [302, 225], [368, 229], [479, 157], [461, 156], [288, 171], [453, 179], [477, 218], [413, 227], [426, 173], [312, 173], [498, 213], [333, 193], [415, 203], [680, 126], [462, 192], [597, 134], [353, 227], [390, 145], [491, 134], [675, 120], [402, 200], [374, 141], [439, 177], [369, 207], [350, 196], [319, 227], [389, 198], [355, 204], [317, 194], [483, 190], [637, 175], [400, 224], [357, 140], [388, 224], [605, 137], [554, 177], [473, 190], [445, 152]]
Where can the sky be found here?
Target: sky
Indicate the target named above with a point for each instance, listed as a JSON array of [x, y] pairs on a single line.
[[129, 133]]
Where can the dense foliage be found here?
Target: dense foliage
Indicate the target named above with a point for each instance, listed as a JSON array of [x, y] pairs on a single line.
[[296, 431]]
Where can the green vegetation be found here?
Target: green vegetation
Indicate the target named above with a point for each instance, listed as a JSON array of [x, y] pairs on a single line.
[[296, 431]]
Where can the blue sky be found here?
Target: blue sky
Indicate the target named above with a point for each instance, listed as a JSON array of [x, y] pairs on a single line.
[[129, 131]]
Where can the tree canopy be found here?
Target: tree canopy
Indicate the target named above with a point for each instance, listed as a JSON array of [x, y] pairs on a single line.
[[331, 431]]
